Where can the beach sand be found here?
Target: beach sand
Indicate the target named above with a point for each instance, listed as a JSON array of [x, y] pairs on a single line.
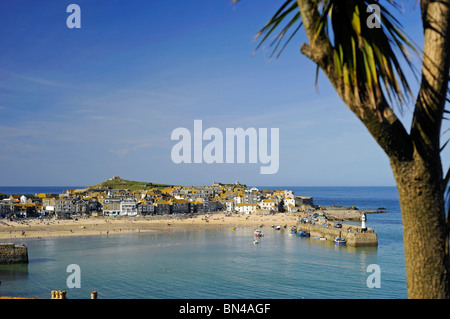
[[103, 226]]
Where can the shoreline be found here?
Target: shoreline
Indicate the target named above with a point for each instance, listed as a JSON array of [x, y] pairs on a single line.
[[104, 226]]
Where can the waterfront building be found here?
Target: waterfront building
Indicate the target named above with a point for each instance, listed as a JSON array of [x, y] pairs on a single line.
[[181, 206], [246, 208], [289, 201], [230, 205], [252, 196], [111, 206], [268, 204], [128, 207], [146, 207], [164, 207]]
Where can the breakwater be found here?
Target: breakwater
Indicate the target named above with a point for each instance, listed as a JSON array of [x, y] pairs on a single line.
[[353, 235], [13, 253]]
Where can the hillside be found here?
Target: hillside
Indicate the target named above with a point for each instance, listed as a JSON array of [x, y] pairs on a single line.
[[119, 183]]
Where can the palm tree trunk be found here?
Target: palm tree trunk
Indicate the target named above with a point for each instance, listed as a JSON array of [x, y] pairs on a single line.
[[415, 156], [424, 232], [419, 179]]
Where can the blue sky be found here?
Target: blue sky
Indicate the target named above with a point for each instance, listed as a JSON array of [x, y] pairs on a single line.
[[78, 106]]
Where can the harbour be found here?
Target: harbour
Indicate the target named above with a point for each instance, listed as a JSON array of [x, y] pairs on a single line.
[[218, 262]]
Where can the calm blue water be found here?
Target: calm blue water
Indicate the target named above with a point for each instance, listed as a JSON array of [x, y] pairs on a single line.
[[222, 264]]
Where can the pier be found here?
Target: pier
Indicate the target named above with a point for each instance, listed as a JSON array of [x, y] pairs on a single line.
[[354, 235], [13, 253]]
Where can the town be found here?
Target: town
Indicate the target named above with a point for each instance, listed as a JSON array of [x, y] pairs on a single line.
[[104, 201]]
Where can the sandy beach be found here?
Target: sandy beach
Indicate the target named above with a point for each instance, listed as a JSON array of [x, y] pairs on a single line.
[[105, 226]]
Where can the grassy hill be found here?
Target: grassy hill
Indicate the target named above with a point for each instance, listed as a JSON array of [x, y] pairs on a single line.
[[126, 184]]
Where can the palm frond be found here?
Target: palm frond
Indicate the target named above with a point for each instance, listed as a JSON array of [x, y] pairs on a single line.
[[366, 59], [369, 54], [289, 10]]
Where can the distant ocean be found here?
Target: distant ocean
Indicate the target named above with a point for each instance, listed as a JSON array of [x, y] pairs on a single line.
[[221, 264], [30, 190]]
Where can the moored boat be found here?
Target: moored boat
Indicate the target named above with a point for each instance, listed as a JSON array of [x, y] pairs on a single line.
[[258, 233], [303, 233], [340, 241]]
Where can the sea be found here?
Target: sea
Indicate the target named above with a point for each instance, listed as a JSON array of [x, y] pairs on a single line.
[[219, 263]]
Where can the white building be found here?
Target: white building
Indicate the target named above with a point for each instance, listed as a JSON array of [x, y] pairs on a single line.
[[289, 201], [128, 207], [246, 208], [230, 204], [288, 194], [23, 199], [268, 204], [238, 199]]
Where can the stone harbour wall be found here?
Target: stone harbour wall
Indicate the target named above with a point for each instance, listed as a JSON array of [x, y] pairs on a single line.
[[13, 253], [352, 236]]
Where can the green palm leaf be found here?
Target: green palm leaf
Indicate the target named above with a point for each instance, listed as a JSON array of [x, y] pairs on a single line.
[[364, 58]]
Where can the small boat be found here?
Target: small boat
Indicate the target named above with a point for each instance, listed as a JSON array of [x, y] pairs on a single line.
[[303, 233], [277, 227], [256, 242], [258, 233], [82, 227], [234, 228], [320, 238], [293, 230], [339, 241]]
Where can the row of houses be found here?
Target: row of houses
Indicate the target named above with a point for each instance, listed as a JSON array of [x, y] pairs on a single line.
[[172, 200]]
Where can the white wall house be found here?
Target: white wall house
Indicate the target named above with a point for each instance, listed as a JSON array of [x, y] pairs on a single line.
[[268, 204], [246, 208], [288, 194], [128, 207], [238, 199], [289, 201], [230, 205]]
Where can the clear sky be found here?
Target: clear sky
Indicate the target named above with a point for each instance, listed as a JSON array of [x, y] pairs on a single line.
[[78, 106]]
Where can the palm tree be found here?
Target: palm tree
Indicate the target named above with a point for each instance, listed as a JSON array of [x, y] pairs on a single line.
[[364, 65]]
